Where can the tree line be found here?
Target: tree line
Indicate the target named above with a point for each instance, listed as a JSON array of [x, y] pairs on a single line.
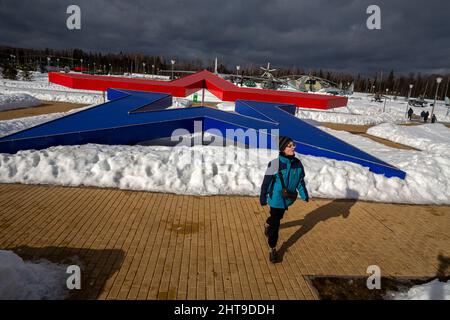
[[19, 62]]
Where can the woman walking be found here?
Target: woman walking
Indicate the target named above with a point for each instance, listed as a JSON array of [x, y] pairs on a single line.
[[283, 183]]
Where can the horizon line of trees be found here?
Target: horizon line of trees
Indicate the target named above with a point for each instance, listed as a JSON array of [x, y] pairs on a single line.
[[26, 60]]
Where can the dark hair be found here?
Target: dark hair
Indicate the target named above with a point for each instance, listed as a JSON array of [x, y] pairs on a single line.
[[283, 142]]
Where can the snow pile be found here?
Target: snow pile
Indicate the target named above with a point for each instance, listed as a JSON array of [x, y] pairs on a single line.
[[427, 174], [434, 290], [433, 138], [17, 101], [21, 280], [198, 170]]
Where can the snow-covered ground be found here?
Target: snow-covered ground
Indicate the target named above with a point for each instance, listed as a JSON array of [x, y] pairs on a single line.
[[434, 290], [20, 280], [361, 110], [17, 101], [41, 89], [434, 138]]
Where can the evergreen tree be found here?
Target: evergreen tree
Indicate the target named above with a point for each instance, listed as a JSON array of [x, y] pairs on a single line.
[[9, 71], [26, 73]]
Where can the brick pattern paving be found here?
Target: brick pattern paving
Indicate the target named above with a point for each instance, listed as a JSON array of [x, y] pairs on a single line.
[[141, 245]]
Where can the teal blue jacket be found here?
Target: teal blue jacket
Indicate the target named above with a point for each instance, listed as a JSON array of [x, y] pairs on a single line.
[[293, 174]]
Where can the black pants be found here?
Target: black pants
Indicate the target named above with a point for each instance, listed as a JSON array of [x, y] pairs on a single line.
[[274, 225]]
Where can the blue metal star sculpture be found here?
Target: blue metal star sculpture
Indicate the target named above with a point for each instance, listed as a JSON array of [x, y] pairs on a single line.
[[131, 117]]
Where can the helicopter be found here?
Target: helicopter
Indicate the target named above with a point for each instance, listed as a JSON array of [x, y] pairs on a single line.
[[299, 83]]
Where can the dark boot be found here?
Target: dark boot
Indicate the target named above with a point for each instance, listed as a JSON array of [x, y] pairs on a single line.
[[273, 256]]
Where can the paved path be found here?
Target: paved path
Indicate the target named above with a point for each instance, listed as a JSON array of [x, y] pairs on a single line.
[[141, 245], [45, 108]]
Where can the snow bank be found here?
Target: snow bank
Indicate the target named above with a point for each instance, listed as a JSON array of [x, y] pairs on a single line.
[[21, 280], [427, 174], [434, 290], [198, 170], [17, 101], [428, 137]]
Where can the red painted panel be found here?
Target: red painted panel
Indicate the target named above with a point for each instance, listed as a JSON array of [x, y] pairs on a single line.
[[185, 86]]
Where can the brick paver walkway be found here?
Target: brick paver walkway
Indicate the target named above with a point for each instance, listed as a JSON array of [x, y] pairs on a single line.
[[141, 245], [46, 107]]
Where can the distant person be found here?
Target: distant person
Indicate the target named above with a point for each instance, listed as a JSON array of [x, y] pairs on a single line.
[[422, 114], [433, 118], [410, 113], [284, 177], [425, 116]]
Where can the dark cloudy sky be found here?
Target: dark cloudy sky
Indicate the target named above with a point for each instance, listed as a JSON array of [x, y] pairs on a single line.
[[332, 34]]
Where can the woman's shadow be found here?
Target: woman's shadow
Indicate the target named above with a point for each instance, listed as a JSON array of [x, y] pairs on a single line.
[[337, 208]]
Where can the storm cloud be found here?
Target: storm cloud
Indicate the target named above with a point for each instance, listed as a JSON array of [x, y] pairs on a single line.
[[332, 35]]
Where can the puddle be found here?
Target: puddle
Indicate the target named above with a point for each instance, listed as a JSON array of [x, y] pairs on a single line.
[[186, 228]]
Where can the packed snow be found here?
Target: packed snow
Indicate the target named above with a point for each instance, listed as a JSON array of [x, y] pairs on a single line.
[[20, 280], [434, 138], [361, 110], [17, 101], [434, 290]]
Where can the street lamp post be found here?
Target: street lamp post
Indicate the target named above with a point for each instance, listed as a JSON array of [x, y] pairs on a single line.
[[438, 81], [57, 64], [110, 69], [153, 69], [81, 60], [407, 102], [172, 62], [94, 67], [385, 98], [237, 72], [48, 62], [143, 65]]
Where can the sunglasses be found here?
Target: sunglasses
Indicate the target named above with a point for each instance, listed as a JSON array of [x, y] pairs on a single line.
[[291, 146]]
